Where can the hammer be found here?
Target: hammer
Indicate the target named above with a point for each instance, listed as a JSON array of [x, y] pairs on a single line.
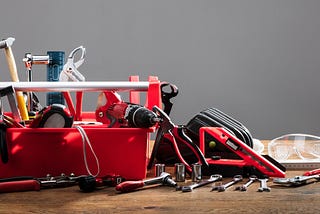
[[6, 44], [163, 179]]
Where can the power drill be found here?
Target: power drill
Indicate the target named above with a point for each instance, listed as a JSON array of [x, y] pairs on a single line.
[[123, 114]]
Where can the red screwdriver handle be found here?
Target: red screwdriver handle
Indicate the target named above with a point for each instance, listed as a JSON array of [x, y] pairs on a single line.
[[19, 186], [129, 186]]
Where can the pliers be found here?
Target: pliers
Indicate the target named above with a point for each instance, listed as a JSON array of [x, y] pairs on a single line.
[[70, 73], [174, 133]]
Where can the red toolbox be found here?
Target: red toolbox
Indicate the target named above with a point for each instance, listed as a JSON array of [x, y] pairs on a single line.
[[120, 151]]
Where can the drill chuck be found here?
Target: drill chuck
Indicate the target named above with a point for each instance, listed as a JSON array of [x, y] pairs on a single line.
[[131, 115], [141, 117]]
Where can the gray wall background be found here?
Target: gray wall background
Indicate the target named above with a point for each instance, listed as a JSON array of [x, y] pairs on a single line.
[[258, 61]]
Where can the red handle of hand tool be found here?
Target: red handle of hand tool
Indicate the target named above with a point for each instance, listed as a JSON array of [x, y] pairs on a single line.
[[312, 172], [69, 102], [19, 186], [79, 96], [129, 186]]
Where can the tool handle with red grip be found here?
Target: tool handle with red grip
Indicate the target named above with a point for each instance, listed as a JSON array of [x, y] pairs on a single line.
[[312, 172], [20, 186], [129, 186]]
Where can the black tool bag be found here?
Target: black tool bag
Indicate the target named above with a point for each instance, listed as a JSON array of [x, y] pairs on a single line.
[[210, 117]]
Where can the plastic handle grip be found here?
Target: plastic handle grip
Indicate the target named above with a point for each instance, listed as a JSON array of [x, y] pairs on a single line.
[[129, 186], [312, 172], [19, 186]]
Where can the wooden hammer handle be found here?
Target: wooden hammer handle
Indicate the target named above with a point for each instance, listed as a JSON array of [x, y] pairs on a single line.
[[14, 76]]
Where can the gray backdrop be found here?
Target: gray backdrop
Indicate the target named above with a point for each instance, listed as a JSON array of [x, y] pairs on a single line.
[[258, 61]]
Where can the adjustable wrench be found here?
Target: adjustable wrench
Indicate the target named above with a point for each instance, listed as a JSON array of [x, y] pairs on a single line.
[[222, 188], [296, 181], [263, 185], [245, 186], [213, 178]]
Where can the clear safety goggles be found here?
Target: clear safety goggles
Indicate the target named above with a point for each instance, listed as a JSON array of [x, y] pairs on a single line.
[[295, 146]]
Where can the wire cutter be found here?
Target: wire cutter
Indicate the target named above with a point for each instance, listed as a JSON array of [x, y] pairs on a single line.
[[70, 73], [166, 95], [174, 133]]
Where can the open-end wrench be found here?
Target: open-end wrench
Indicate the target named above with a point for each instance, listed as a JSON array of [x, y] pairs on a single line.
[[263, 185], [245, 186], [213, 178], [223, 187]]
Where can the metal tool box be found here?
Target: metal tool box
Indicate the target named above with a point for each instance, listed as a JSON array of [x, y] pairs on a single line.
[[121, 151]]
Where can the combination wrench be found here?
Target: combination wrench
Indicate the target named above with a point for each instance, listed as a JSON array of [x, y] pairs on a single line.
[[245, 186], [222, 188], [213, 178], [263, 185]]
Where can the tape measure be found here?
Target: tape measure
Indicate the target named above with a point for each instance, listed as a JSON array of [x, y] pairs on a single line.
[[53, 116], [300, 164]]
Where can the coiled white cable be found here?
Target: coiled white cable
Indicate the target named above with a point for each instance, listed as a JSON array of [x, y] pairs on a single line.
[[85, 140]]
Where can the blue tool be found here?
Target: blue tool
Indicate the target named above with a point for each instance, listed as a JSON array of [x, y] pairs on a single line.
[[53, 72]]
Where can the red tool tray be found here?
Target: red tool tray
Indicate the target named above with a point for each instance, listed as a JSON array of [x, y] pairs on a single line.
[[40, 151], [120, 151]]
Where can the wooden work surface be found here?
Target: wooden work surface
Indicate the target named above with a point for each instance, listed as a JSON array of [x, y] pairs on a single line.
[[163, 199]]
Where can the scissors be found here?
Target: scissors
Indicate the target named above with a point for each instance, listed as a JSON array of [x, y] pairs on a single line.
[[70, 73]]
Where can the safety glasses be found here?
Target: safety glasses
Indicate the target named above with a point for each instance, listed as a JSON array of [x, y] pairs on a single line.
[[295, 146]]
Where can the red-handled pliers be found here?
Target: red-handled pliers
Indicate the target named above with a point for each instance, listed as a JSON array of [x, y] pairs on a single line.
[[174, 134]]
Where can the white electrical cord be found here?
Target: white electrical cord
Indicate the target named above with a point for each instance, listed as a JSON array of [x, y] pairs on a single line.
[[85, 140]]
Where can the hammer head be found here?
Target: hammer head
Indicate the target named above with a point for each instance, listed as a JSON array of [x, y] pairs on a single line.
[[6, 42]]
